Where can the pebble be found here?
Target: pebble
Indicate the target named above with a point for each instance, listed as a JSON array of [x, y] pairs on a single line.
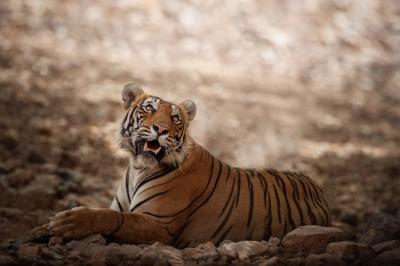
[[387, 245]]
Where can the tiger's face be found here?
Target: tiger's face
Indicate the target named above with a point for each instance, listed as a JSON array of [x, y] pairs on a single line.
[[154, 130]]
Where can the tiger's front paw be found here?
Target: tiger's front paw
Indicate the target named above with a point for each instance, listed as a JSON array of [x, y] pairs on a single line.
[[76, 223]]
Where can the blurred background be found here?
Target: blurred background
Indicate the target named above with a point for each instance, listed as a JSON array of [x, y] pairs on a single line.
[[310, 85]]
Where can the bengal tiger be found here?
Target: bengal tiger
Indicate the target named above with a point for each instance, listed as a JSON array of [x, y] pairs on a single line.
[[174, 191]]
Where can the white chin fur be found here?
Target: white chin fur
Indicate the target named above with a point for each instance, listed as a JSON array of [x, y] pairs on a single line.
[[146, 161]]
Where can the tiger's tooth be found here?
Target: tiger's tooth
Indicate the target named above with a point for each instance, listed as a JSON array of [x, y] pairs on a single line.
[[158, 150], [145, 148]]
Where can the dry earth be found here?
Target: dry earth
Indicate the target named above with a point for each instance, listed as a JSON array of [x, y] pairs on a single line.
[[312, 85]]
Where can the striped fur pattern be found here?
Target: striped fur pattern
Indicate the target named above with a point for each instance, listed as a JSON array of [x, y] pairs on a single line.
[[187, 196]]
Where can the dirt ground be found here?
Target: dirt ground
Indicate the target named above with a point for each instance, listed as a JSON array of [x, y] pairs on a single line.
[[307, 85]]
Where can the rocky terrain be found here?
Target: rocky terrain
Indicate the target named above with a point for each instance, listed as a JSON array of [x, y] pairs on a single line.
[[311, 86], [306, 245]]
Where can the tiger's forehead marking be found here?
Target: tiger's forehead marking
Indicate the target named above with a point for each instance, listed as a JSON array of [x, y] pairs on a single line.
[[174, 110], [153, 101]]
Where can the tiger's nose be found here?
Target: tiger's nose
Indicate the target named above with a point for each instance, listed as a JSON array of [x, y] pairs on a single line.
[[160, 129]]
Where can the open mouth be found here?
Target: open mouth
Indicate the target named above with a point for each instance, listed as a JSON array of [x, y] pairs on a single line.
[[152, 146]]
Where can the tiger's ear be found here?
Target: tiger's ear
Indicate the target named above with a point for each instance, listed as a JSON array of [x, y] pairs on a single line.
[[190, 108], [130, 93]]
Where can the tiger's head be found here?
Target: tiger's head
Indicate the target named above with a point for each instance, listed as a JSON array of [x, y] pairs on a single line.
[[154, 131]]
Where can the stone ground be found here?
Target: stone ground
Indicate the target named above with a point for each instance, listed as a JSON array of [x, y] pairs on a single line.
[[311, 86]]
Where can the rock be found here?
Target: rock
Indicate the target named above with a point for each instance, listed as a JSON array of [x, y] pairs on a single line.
[[203, 252], [7, 260], [115, 254], [153, 256], [391, 257], [20, 178], [55, 240], [9, 141], [350, 251], [96, 238], [387, 245], [278, 261], [347, 229], [311, 239], [82, 244], [52, 254], [173, 255], [35, 197], [382, 227], [36, 157], [69, 160], [349, 217], [112, 254], [11, 247], [323, 259], [373, 236], [3, 170], [244, 250], [29, 251], [274, 241], [133, 252]]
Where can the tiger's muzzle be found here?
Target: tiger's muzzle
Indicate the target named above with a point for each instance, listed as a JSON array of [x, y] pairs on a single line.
[[150, 148]]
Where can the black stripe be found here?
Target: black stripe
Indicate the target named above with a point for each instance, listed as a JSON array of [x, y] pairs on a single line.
[[318, 199], [158, 185], [198, 197], [285, 195], [251, 203], [267, 235], [293, 179], [312, 195], [238, 191], [228, 214], [223, 222], [147, 179], [149, 198], [204, 201], [212, 191], [127, 184], [278, 204], [157, 216], [230, 196], [321, 200], [225, 234], [265, 188], [294, 188], [124, 120], [119, 203], [250, 233], [311, 214], [265, 192]]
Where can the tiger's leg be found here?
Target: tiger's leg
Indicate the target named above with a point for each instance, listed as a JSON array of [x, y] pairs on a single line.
[[123, 226]]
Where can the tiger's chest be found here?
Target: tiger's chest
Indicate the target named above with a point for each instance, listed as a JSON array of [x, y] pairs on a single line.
[[161, 195]]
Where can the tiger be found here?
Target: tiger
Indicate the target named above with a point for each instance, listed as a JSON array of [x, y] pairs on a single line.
[[176, 192]]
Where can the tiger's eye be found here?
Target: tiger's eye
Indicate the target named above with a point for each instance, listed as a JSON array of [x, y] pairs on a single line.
[[175, 118], [148, 108]]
